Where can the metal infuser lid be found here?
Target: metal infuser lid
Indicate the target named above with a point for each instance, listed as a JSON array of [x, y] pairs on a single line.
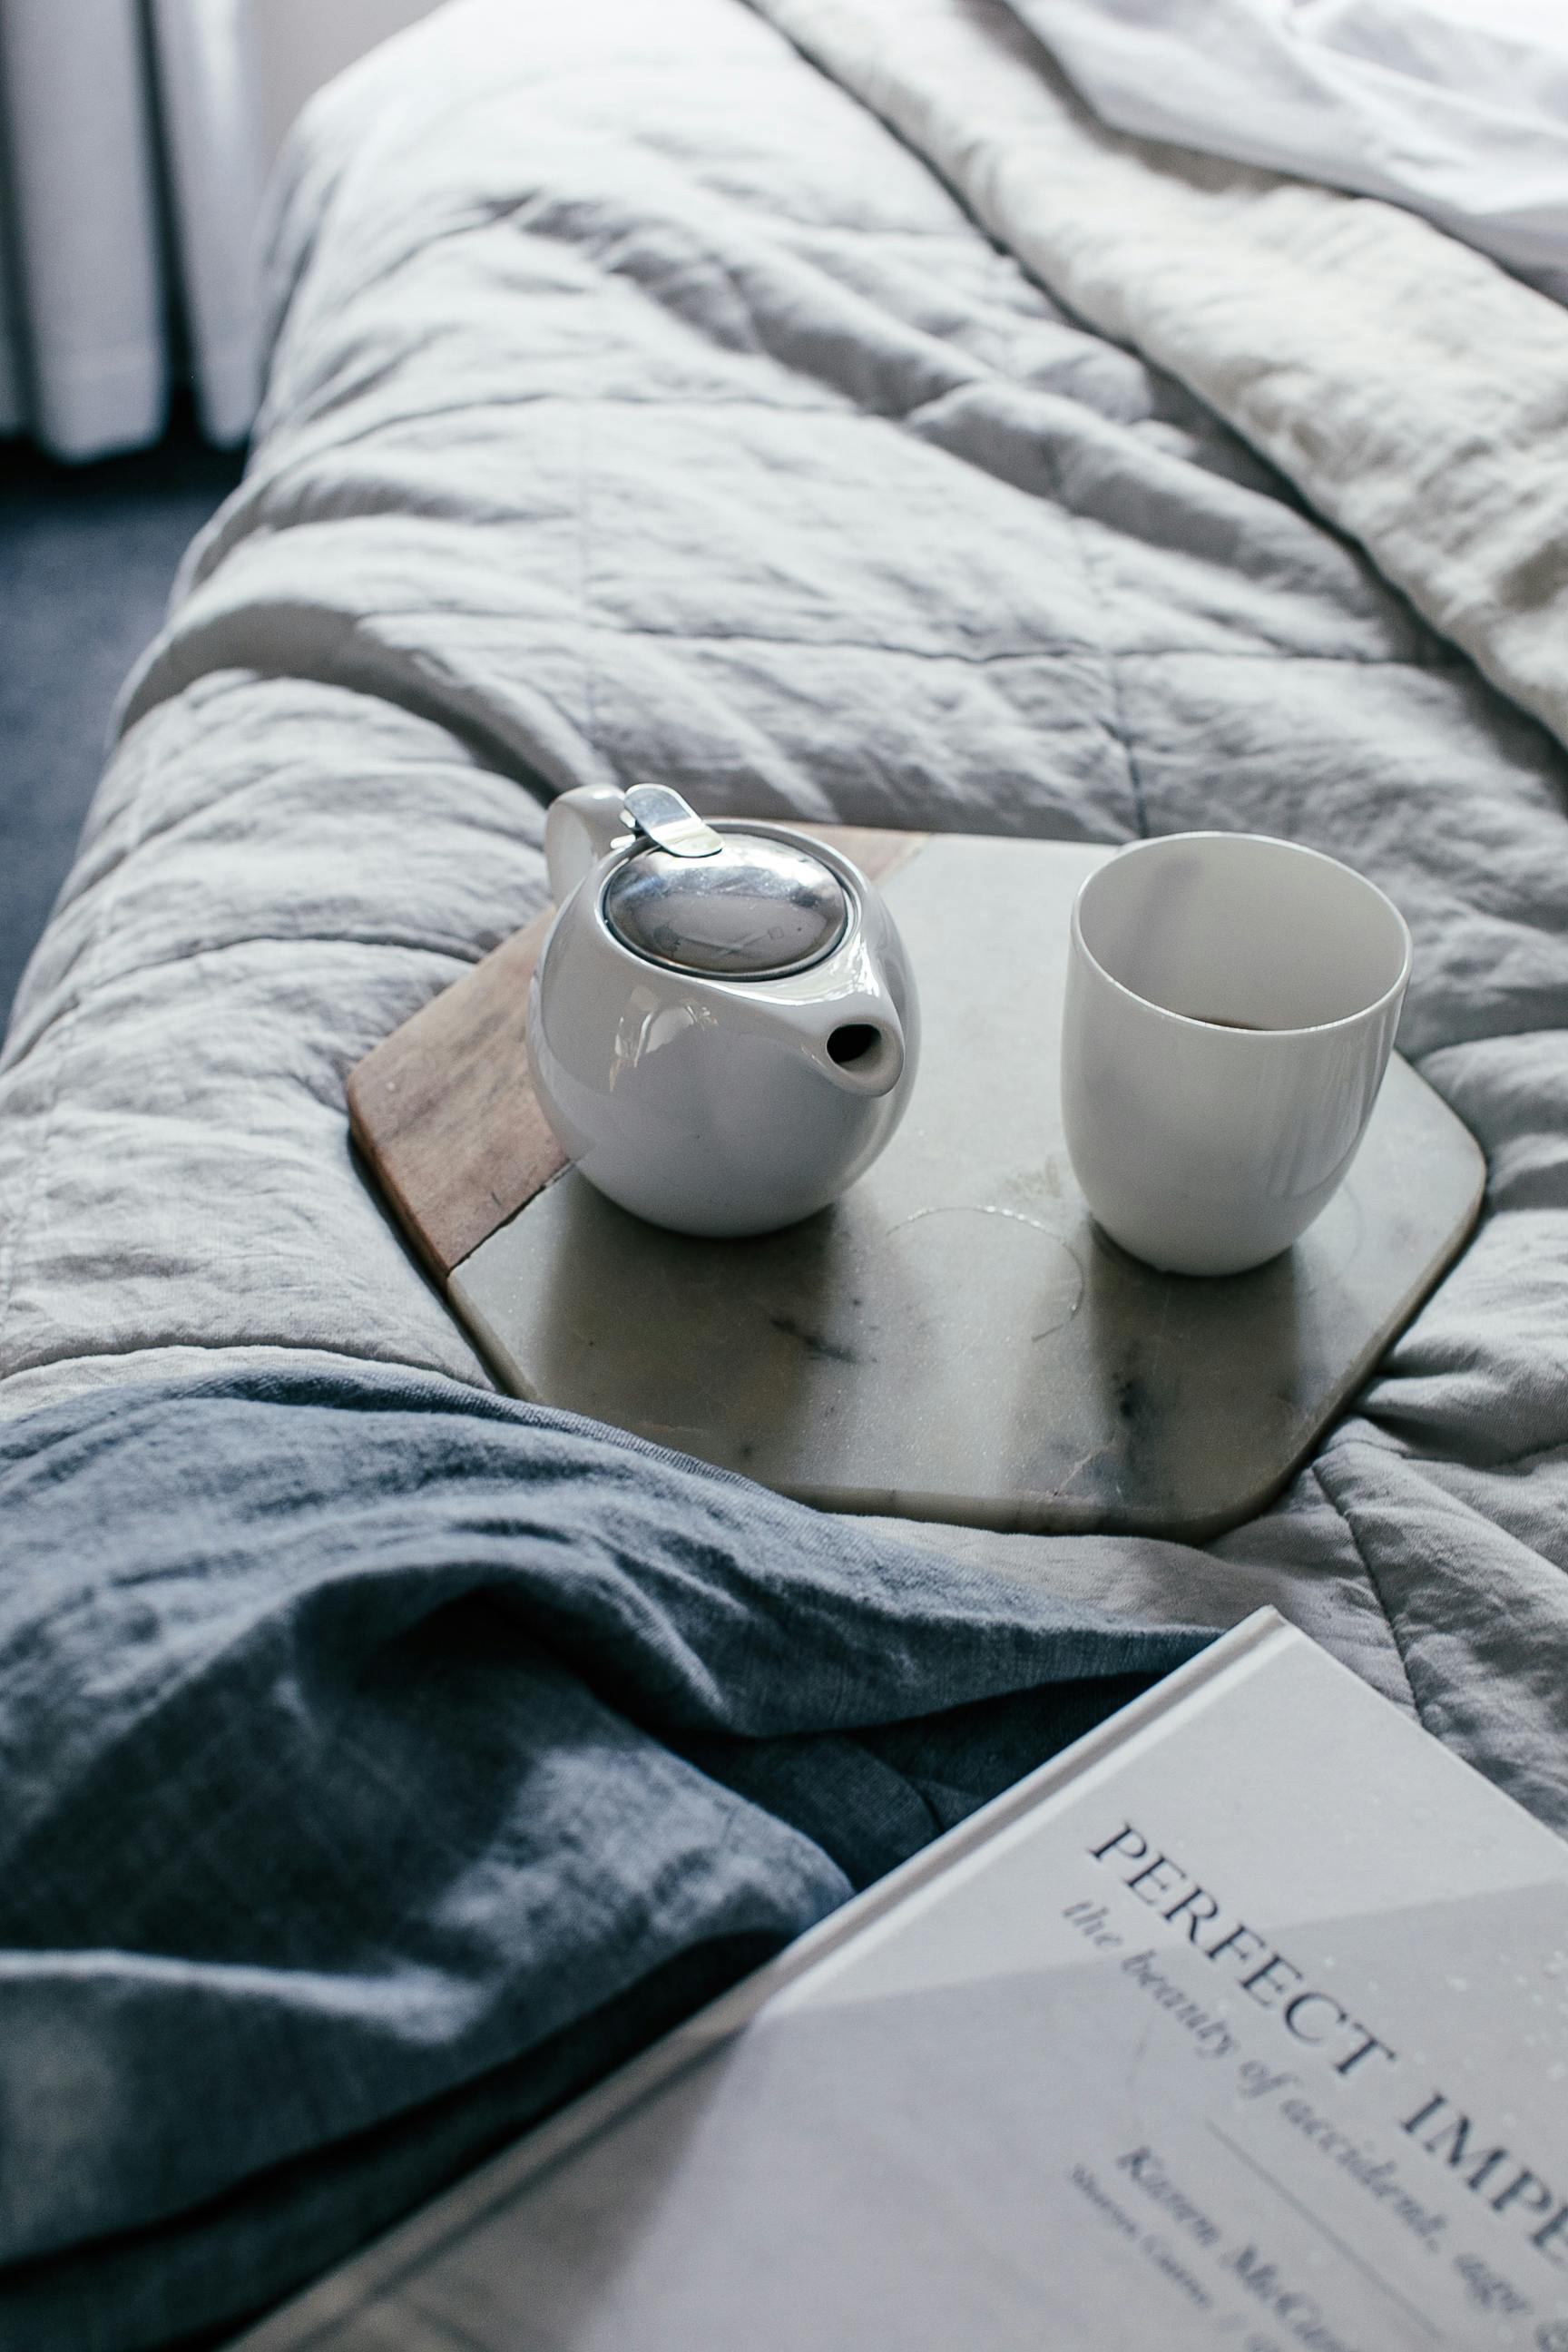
[[732, 906]]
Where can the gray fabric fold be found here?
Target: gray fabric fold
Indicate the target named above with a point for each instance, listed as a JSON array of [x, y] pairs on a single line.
[[367, 1743]]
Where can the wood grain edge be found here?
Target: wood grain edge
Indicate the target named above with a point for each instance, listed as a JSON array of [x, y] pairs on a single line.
[[443, 1109]]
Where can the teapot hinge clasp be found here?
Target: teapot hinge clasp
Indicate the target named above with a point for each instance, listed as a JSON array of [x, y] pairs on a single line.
[[659, 814]]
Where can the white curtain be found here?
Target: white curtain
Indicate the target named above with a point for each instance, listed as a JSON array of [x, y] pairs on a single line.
[[133, 160]]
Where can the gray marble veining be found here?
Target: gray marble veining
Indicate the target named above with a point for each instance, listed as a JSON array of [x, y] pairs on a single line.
[[955, 1339]]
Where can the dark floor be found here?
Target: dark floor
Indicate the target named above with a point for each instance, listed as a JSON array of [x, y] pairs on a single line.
[[87, 554]]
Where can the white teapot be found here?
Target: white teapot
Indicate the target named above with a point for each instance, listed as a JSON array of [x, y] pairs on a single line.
[[722, 1023]]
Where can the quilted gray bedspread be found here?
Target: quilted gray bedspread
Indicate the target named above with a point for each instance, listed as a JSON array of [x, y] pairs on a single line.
[[653, 397]]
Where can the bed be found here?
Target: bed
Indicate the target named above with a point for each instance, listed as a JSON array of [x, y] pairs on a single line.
[[808, 404]]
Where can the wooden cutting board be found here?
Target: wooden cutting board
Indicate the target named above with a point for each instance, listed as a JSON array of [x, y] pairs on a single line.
[[954, 1338]]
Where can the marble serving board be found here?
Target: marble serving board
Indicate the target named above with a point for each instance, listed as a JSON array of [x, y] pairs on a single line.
[[954, 1338]]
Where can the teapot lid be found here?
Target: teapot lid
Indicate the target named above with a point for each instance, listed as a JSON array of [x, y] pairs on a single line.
[[732, 906]]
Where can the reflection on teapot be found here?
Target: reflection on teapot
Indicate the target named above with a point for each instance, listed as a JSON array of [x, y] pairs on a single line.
[[724, 1025]]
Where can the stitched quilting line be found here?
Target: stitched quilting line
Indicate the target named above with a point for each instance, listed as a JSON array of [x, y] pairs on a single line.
[[972, 374], [193, 704], [415, 688], [486, 214], [1555, 1449], [108, 898], [1066, 649], [258, 483], [1115, 722], [67, 1015], [590, 621], [1061, 649]]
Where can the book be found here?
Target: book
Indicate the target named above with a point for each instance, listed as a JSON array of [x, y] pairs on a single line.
[[1243, 2023]]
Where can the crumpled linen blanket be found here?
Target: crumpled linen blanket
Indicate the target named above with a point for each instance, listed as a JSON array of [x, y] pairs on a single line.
[[653, 397], [1405, 385], [367, 1742], [1428, 105]]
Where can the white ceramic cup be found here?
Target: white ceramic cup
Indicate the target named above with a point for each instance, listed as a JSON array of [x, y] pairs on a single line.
[[1203, 1146]]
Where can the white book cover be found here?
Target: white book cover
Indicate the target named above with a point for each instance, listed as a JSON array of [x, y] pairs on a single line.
[[1242, 2023]]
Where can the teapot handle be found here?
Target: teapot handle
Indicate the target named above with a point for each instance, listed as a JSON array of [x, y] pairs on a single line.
[[581, 828]]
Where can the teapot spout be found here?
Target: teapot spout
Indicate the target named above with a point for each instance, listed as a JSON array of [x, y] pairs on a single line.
[[864, 1052]]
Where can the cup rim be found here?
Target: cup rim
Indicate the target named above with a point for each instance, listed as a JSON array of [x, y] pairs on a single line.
[[1211, 1028]]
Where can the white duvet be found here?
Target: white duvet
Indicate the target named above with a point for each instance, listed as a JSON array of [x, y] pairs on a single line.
[[812, 404], [1457, 110]]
